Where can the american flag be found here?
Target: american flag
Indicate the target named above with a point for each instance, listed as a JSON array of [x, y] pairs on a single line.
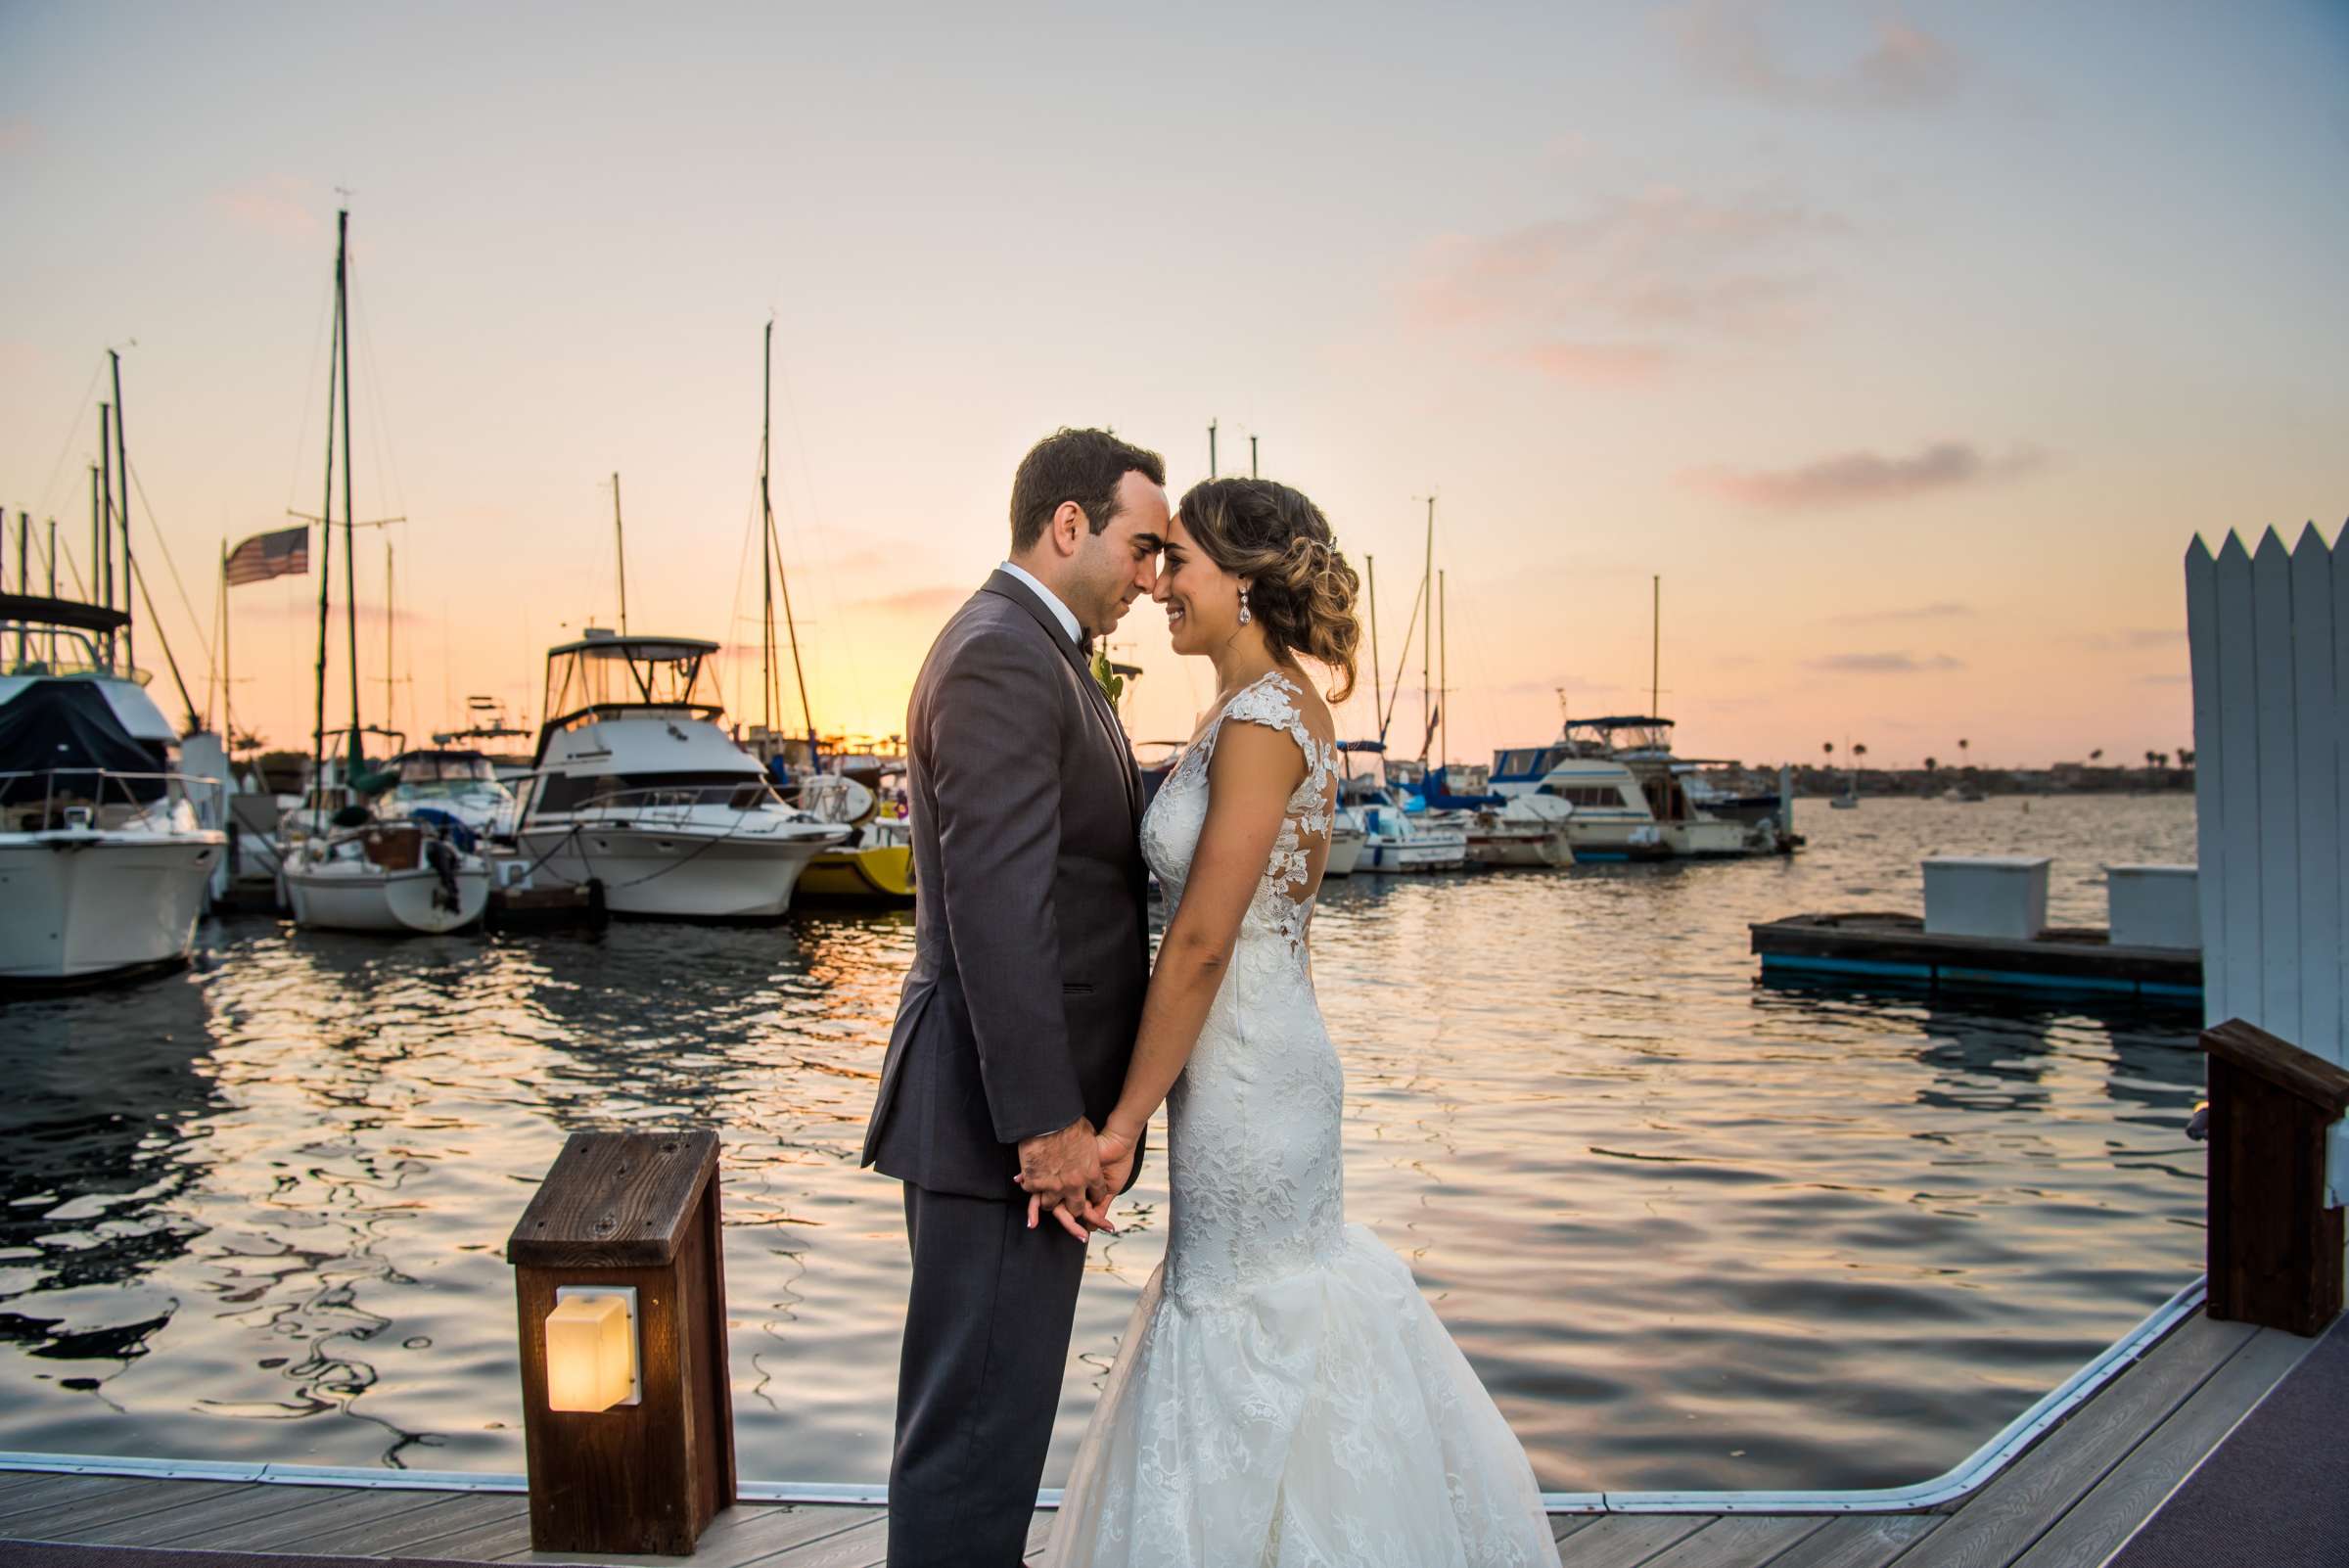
[[284, 553]]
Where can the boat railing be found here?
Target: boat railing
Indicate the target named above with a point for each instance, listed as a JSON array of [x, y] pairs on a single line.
[[96, 800], [33, 664]]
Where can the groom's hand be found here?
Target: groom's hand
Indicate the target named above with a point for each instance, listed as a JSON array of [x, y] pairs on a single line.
[[1061, 1173]]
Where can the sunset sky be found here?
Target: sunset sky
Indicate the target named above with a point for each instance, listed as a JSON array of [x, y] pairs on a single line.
[[1910, 344]]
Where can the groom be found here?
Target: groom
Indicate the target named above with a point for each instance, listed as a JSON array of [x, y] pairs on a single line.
[[1018, 1017]]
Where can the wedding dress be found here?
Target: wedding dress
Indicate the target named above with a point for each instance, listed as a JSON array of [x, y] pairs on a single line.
[[1284, 1396]]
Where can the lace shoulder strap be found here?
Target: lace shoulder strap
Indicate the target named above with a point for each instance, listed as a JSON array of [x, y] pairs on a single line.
[[1270, 701]]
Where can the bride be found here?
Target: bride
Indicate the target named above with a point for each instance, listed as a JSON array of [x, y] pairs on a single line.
[[1283, 1395]]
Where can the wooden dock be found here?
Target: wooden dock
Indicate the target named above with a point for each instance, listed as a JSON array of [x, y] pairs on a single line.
[[1890, 948], [2068, 1502]]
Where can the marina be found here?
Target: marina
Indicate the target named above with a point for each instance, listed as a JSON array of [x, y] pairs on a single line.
[[1761, 1201]]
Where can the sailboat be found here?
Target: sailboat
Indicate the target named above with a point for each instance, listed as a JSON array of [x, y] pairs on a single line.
[[873, 863], [102, 860], [1399, 834], [347, 868]]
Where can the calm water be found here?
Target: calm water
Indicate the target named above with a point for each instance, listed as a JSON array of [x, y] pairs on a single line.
[[1693, 1232]]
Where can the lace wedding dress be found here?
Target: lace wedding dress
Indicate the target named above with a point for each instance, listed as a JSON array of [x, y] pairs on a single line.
[[1284, 1396]]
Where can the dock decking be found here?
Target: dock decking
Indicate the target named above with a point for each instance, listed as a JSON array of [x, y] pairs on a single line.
[[2069, 1501]]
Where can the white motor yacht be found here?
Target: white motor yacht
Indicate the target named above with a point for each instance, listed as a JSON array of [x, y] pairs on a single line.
[[1524, 830], [103, 860], [1629, 795], [638, 789]]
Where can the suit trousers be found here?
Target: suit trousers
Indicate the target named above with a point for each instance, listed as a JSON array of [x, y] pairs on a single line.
[[987, 1345]]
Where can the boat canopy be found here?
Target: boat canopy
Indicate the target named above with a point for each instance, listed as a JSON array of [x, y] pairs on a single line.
[[603, 673], [1621, 722], [57, 737], [33, 609]]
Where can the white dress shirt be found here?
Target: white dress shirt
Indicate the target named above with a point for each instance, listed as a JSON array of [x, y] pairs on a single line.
[[1060, 611]]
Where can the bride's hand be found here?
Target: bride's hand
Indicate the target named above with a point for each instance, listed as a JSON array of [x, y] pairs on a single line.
[[1117, 1148]]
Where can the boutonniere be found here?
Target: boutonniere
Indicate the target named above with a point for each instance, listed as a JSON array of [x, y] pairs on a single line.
[[1112, 684]]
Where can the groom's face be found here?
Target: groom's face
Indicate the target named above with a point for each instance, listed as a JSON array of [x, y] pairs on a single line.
[[1117, 564]]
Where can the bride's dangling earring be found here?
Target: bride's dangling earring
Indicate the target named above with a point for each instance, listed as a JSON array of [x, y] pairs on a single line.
[[1245, 618]]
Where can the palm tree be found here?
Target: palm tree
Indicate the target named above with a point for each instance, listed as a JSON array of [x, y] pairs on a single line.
[[1858, 751], [1931, 763], [1962, 745], [2152, 758], [2185, 757]]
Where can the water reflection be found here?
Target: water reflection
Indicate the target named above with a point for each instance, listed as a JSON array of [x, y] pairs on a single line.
[[1691, 1230], [100, 1122]]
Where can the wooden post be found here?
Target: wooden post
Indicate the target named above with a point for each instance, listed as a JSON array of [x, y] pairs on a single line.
[[633, 1210], [2276, 1250]]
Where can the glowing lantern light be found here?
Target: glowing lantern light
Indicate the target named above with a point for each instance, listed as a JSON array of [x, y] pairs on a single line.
[[591, 1347]]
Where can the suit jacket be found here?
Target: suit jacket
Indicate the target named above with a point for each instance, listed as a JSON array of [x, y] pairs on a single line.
[[1030, 925]]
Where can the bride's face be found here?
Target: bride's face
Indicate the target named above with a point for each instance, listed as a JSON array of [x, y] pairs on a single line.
[[1202, 600]]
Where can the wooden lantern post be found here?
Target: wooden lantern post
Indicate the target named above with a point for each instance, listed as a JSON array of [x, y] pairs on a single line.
[[2276, 1255], [623, 1211]]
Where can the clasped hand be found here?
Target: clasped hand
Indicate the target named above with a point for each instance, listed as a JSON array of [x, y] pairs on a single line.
[[1075, 1174]]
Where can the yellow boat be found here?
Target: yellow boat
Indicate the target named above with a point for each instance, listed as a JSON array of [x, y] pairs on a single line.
[[882, 873]]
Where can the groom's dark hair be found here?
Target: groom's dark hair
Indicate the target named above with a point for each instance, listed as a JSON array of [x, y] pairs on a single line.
[[1083, 466]]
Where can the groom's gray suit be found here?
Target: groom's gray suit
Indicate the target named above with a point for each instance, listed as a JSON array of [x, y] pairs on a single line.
[[1031, 958]]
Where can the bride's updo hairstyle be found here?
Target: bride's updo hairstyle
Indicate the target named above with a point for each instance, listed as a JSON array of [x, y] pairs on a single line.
[[1300, 589]]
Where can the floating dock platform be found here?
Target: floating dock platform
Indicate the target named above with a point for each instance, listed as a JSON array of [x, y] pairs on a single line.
[[1874, 947]]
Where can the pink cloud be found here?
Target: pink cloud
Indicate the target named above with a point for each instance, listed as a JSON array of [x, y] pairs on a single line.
[[276, 205], [1885, 664], [1604, 364], [1857, 478], [1900, 66], [1617, 293]]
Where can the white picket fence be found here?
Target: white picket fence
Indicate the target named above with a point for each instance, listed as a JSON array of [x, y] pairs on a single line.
[[2270, 638]]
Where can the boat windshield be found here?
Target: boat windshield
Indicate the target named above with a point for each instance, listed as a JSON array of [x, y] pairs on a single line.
[[614, 792], [445, 774]]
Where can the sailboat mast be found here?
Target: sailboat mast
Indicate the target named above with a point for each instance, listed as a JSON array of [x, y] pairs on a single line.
[[122, 469], [391, 618], [620, 550], [1427, 637], [791, 627], [1378, 695], [350, 540], [767, 544], [106, 508], [228, 710], [1655, 652], [326, 564], [1444, 668]]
